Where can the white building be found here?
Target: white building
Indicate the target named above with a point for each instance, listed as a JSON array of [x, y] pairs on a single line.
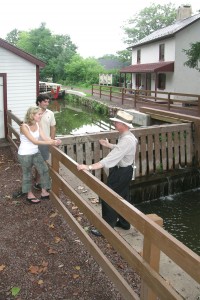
[[158, 59], [19, 82]]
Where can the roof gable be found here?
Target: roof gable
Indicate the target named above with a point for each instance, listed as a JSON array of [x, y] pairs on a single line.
[[4, 44], [168, 31]]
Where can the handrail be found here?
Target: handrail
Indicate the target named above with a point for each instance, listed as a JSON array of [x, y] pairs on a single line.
[[169, 100]]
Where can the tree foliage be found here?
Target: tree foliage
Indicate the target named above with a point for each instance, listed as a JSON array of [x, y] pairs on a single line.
[[193, 55], [54, 50], [13, 36], [80, 70], [148, 20], [124, 56]]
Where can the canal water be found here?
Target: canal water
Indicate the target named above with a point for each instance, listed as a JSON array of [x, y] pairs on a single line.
[[71, 119], [180, 213], [181, 216]]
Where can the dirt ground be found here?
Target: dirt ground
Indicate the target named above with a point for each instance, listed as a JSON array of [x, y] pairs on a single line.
[[41, 257]]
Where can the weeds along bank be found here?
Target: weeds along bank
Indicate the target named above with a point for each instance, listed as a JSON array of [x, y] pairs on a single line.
[[93, 104]]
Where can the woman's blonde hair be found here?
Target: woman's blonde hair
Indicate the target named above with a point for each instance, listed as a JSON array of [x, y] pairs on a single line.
[[29, 116]]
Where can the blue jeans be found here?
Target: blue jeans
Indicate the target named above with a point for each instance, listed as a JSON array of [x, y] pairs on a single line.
[[27, 162]]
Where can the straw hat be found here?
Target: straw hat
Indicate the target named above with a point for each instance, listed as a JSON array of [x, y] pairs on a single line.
[[123, 117]]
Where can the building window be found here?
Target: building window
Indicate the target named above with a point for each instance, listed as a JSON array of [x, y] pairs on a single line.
[[161, 81], [161, 52], [138, 56]]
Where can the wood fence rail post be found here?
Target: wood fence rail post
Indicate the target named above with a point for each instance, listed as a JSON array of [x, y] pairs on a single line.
[[9, 122], [54, 162], [151, 254]]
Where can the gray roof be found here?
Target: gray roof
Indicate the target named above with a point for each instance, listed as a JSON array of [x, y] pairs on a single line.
[[167, 31]]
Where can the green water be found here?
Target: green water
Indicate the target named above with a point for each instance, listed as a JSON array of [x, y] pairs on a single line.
[[77, 120], [181, 216]]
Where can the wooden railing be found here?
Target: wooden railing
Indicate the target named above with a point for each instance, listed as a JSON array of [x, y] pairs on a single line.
[[154, 286], [160, 148], [153, 232], [168, 100]]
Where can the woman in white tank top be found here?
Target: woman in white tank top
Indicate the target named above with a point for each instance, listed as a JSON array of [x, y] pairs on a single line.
[[29, 155]]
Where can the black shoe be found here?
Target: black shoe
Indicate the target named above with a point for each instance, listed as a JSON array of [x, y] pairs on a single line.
[[37, 186], [125, 227], [96, 232], [18, 194]]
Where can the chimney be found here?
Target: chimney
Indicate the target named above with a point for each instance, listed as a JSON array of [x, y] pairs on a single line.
[[184, 11]]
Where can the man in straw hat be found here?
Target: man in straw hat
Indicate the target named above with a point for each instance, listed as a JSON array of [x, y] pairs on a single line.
[[119, 162]]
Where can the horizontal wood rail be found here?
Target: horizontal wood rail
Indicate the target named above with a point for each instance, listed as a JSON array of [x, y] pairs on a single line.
[[168, 100]]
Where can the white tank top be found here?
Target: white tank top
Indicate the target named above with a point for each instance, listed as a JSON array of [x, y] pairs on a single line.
[[26, 146]]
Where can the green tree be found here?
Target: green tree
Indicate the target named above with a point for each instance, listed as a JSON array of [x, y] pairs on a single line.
[[124, 56], [55, 50], [149, 20], [193, 55], [13, 36], [80, 70]]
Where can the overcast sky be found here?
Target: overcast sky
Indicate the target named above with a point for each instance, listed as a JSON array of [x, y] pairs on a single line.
[[93, 26]]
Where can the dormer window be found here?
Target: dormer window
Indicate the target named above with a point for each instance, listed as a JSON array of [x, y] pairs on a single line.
[[161, 52], [138, 56]]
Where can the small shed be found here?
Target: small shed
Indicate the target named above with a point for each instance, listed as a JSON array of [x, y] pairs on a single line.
[[19, 82]]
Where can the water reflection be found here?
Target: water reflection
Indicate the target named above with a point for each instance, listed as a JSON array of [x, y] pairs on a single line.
[[78, 120], [181, 216]]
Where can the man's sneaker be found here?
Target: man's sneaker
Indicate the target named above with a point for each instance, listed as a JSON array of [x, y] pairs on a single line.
[[18, 194], [37, 186]]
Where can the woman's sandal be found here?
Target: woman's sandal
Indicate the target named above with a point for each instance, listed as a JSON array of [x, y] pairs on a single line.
[[44, 197], [31, 200]]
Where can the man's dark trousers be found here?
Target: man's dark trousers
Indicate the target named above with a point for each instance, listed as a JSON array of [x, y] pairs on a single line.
[[118, 180]]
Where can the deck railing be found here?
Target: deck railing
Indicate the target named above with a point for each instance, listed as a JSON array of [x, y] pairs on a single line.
[[156, 239], [160, 148], [167, 100]]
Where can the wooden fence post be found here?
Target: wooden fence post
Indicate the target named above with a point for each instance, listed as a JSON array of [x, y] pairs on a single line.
[[9, 122], [169, 100], [54, 162], [151, 254], [123, 91]]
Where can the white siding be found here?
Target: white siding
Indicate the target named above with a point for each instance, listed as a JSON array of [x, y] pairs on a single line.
[[186, 80], [21, 82], [150, 52]]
